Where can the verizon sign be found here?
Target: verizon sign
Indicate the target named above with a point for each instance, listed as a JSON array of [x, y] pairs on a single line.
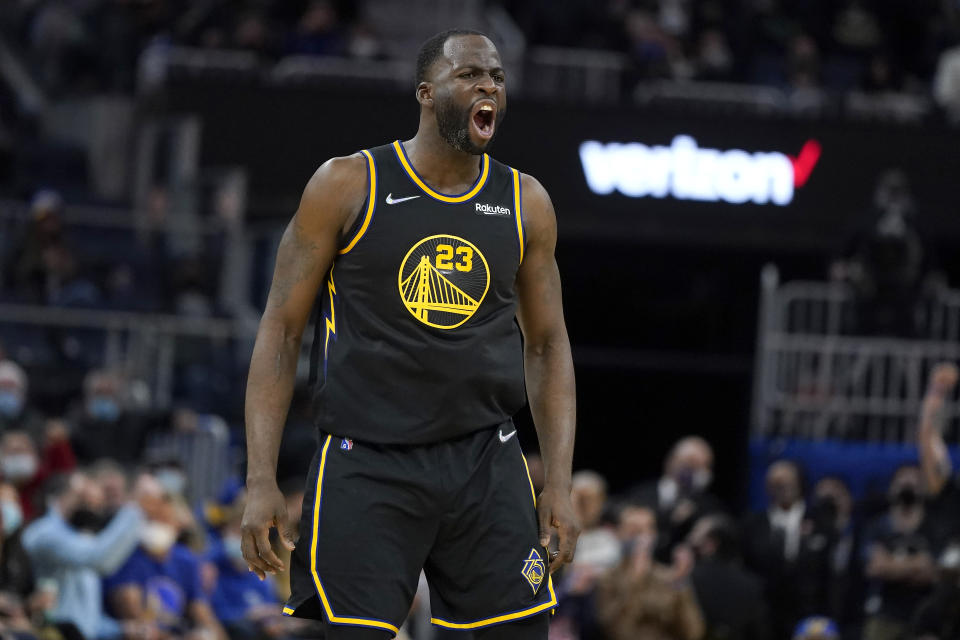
[[686, 171]]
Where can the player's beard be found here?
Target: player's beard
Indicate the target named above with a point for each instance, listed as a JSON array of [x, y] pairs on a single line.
[[454, 125]]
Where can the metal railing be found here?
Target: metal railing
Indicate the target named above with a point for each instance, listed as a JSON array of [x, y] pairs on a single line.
[[143, 346], [814, 381]]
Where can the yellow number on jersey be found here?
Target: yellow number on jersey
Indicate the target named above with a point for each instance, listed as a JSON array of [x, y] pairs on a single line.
[[467, 263], [444, 257]]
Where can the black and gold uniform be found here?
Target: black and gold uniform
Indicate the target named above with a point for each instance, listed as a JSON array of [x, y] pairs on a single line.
[[419, 373]]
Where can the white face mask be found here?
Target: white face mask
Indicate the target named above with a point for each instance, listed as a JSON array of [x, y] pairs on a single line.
[[18, 466], [158, 537], [12, 516]]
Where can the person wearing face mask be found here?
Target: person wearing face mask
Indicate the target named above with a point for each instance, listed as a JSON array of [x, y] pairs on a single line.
[[681, 495], [779, 546], [641, 598], [831, 516], [898, 556], [22, 466], [730, 596], [75, 560], [160, 583], [103, 426], [15, 412]]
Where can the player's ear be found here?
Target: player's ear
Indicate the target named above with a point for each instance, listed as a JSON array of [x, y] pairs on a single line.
[[425, 94]]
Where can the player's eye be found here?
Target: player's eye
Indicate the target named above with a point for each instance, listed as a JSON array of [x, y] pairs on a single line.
[[467, 74], [497, 77]]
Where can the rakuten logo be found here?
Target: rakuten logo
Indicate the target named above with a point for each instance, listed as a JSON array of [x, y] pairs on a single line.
[[688, 172], [490, 210]]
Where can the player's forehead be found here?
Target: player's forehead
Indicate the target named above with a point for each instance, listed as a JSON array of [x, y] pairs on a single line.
[[471, 51]]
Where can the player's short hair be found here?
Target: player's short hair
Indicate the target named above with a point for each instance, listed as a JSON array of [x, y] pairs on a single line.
[[433, 49]]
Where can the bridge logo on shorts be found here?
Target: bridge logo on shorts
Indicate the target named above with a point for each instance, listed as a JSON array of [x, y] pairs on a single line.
[[534, 569], [443, 279]]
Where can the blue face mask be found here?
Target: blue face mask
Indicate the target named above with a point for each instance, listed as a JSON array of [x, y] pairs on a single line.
[[12, 516], [103, 408], [233, 551], [11, 403]]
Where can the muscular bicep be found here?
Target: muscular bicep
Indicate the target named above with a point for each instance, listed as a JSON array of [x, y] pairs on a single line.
[[309, 243], [540, 309]]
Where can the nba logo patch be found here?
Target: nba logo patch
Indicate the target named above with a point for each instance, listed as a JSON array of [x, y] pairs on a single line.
[[534, 570], [346, 444]]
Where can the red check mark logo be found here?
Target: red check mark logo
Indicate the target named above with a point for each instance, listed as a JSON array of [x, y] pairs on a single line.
[[804, 162]]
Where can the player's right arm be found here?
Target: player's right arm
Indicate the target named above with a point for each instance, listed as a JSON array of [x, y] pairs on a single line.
[[934, 458], [328, 208]]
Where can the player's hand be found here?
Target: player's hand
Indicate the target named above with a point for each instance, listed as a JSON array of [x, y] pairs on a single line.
[[555, 515], [265, 508]]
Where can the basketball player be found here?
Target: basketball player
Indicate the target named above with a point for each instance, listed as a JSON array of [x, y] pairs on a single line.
[[430, 258]]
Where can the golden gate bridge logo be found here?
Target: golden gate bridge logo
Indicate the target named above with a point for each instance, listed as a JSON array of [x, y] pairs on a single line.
[[443, 279]]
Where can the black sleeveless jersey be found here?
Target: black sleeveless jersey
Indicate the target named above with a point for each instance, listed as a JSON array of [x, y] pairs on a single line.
[[418, 334]]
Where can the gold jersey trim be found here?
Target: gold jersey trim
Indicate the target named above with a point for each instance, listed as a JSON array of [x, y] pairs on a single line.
[[442, 197]]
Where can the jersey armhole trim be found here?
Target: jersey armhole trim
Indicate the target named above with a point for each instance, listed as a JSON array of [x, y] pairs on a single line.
[[371, 203], [517, 199], [327, 609]]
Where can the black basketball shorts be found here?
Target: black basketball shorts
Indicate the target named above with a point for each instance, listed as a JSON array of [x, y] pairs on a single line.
[[462, 510]]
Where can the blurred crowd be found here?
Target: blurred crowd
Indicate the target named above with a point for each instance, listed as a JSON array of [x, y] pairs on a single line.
[[94, 45], [877, 47], [121, 523], [874, 46], [668, 560]]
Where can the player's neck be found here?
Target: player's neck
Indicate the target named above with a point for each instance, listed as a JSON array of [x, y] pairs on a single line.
[[444, 168]]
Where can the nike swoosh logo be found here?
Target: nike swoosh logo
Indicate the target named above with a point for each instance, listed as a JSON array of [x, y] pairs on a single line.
[[392, 200], [504, 438]]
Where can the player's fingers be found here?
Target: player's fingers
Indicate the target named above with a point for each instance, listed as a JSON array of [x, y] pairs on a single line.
[[567, 534], [249, 548], [283, 527], [262, 539], [543, 518]]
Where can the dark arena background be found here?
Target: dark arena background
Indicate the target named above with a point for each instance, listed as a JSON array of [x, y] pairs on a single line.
[[758, 205]]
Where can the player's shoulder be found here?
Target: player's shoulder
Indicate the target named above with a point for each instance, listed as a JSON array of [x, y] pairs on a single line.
[[342, 177], [537, 207]]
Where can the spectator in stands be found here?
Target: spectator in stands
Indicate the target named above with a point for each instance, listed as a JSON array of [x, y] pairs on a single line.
[[780, 548], [730, 596], [642, 598], [319, 32], [42, 262], [15, 413], [832, 519], [898, 555], [941, 482], [682, 494], [103, 426], [26, 470], [887, 262], [946, 81], [113, 480], [598, 550], [938, 617], [16, 572], [714, 57], [75, 559], [161, 582]]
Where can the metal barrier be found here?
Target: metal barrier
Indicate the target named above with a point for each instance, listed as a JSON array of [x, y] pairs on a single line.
[[814, 382]]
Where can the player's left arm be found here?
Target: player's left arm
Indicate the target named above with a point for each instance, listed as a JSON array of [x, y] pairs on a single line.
[[549, 368]]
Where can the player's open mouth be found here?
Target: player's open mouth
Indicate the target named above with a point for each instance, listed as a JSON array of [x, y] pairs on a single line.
[[483, 119]]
